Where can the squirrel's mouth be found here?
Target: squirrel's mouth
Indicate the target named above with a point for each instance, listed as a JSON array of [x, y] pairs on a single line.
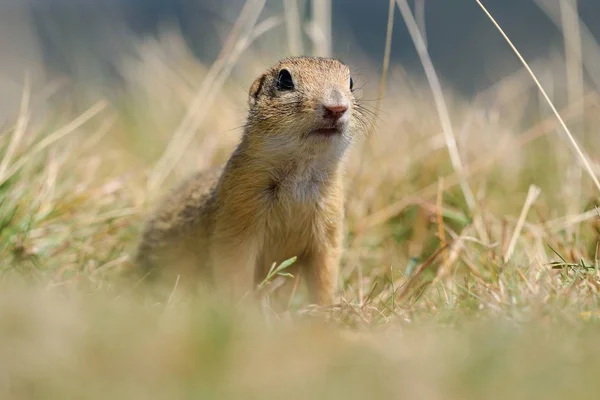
[[327, 131]]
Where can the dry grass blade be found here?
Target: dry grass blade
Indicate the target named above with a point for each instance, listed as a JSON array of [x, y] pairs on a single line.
[[442, 109], [20, 128], [416, 276], [574, 57], [172, 295], [583, 158], [532, 196], [366, 146], [386, 65], [294, 30], [321, 27], [450, 258], [571, 32], [571, 220], [420, 18], [439, 217]]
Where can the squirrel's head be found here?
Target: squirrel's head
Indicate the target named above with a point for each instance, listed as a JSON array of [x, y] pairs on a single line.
[[303, 103]]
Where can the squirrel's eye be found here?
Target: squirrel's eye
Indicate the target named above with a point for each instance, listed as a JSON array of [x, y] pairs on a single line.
[[351, 84], [284, 80]]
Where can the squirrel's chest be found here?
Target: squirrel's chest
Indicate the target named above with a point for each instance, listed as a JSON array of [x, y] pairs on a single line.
[[298, 211], [300, 186], [294, 202], [304, 191]]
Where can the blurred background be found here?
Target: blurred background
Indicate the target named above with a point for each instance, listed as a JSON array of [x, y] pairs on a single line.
[[85, 42]]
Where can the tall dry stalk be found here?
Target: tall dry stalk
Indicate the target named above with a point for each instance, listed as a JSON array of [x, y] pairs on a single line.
[[420, 18], [574, 68], [582, 157], [386, 63], [590, 49], [366, 146], [293, 27], [321, 24], [443, 114]]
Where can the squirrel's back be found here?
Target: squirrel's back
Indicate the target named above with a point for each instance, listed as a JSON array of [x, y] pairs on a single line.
[[182, 219]]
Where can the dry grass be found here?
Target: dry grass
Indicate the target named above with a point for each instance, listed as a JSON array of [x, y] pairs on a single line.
[[429, 311]]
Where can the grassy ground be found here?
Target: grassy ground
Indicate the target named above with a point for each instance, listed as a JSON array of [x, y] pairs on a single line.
[[441, 299]]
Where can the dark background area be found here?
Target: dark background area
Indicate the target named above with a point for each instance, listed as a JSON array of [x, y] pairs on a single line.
[[466, 49]]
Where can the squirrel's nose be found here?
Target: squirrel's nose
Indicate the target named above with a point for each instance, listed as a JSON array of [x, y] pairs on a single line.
[[334, 112]]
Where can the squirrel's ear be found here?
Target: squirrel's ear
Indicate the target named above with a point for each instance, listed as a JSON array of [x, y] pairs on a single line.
[[255, 89]]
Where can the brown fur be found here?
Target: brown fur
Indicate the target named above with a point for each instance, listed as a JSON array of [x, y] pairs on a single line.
[[280, 194]]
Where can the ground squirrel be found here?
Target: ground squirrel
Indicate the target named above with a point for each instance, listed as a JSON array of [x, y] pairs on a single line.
[[280, 194]]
